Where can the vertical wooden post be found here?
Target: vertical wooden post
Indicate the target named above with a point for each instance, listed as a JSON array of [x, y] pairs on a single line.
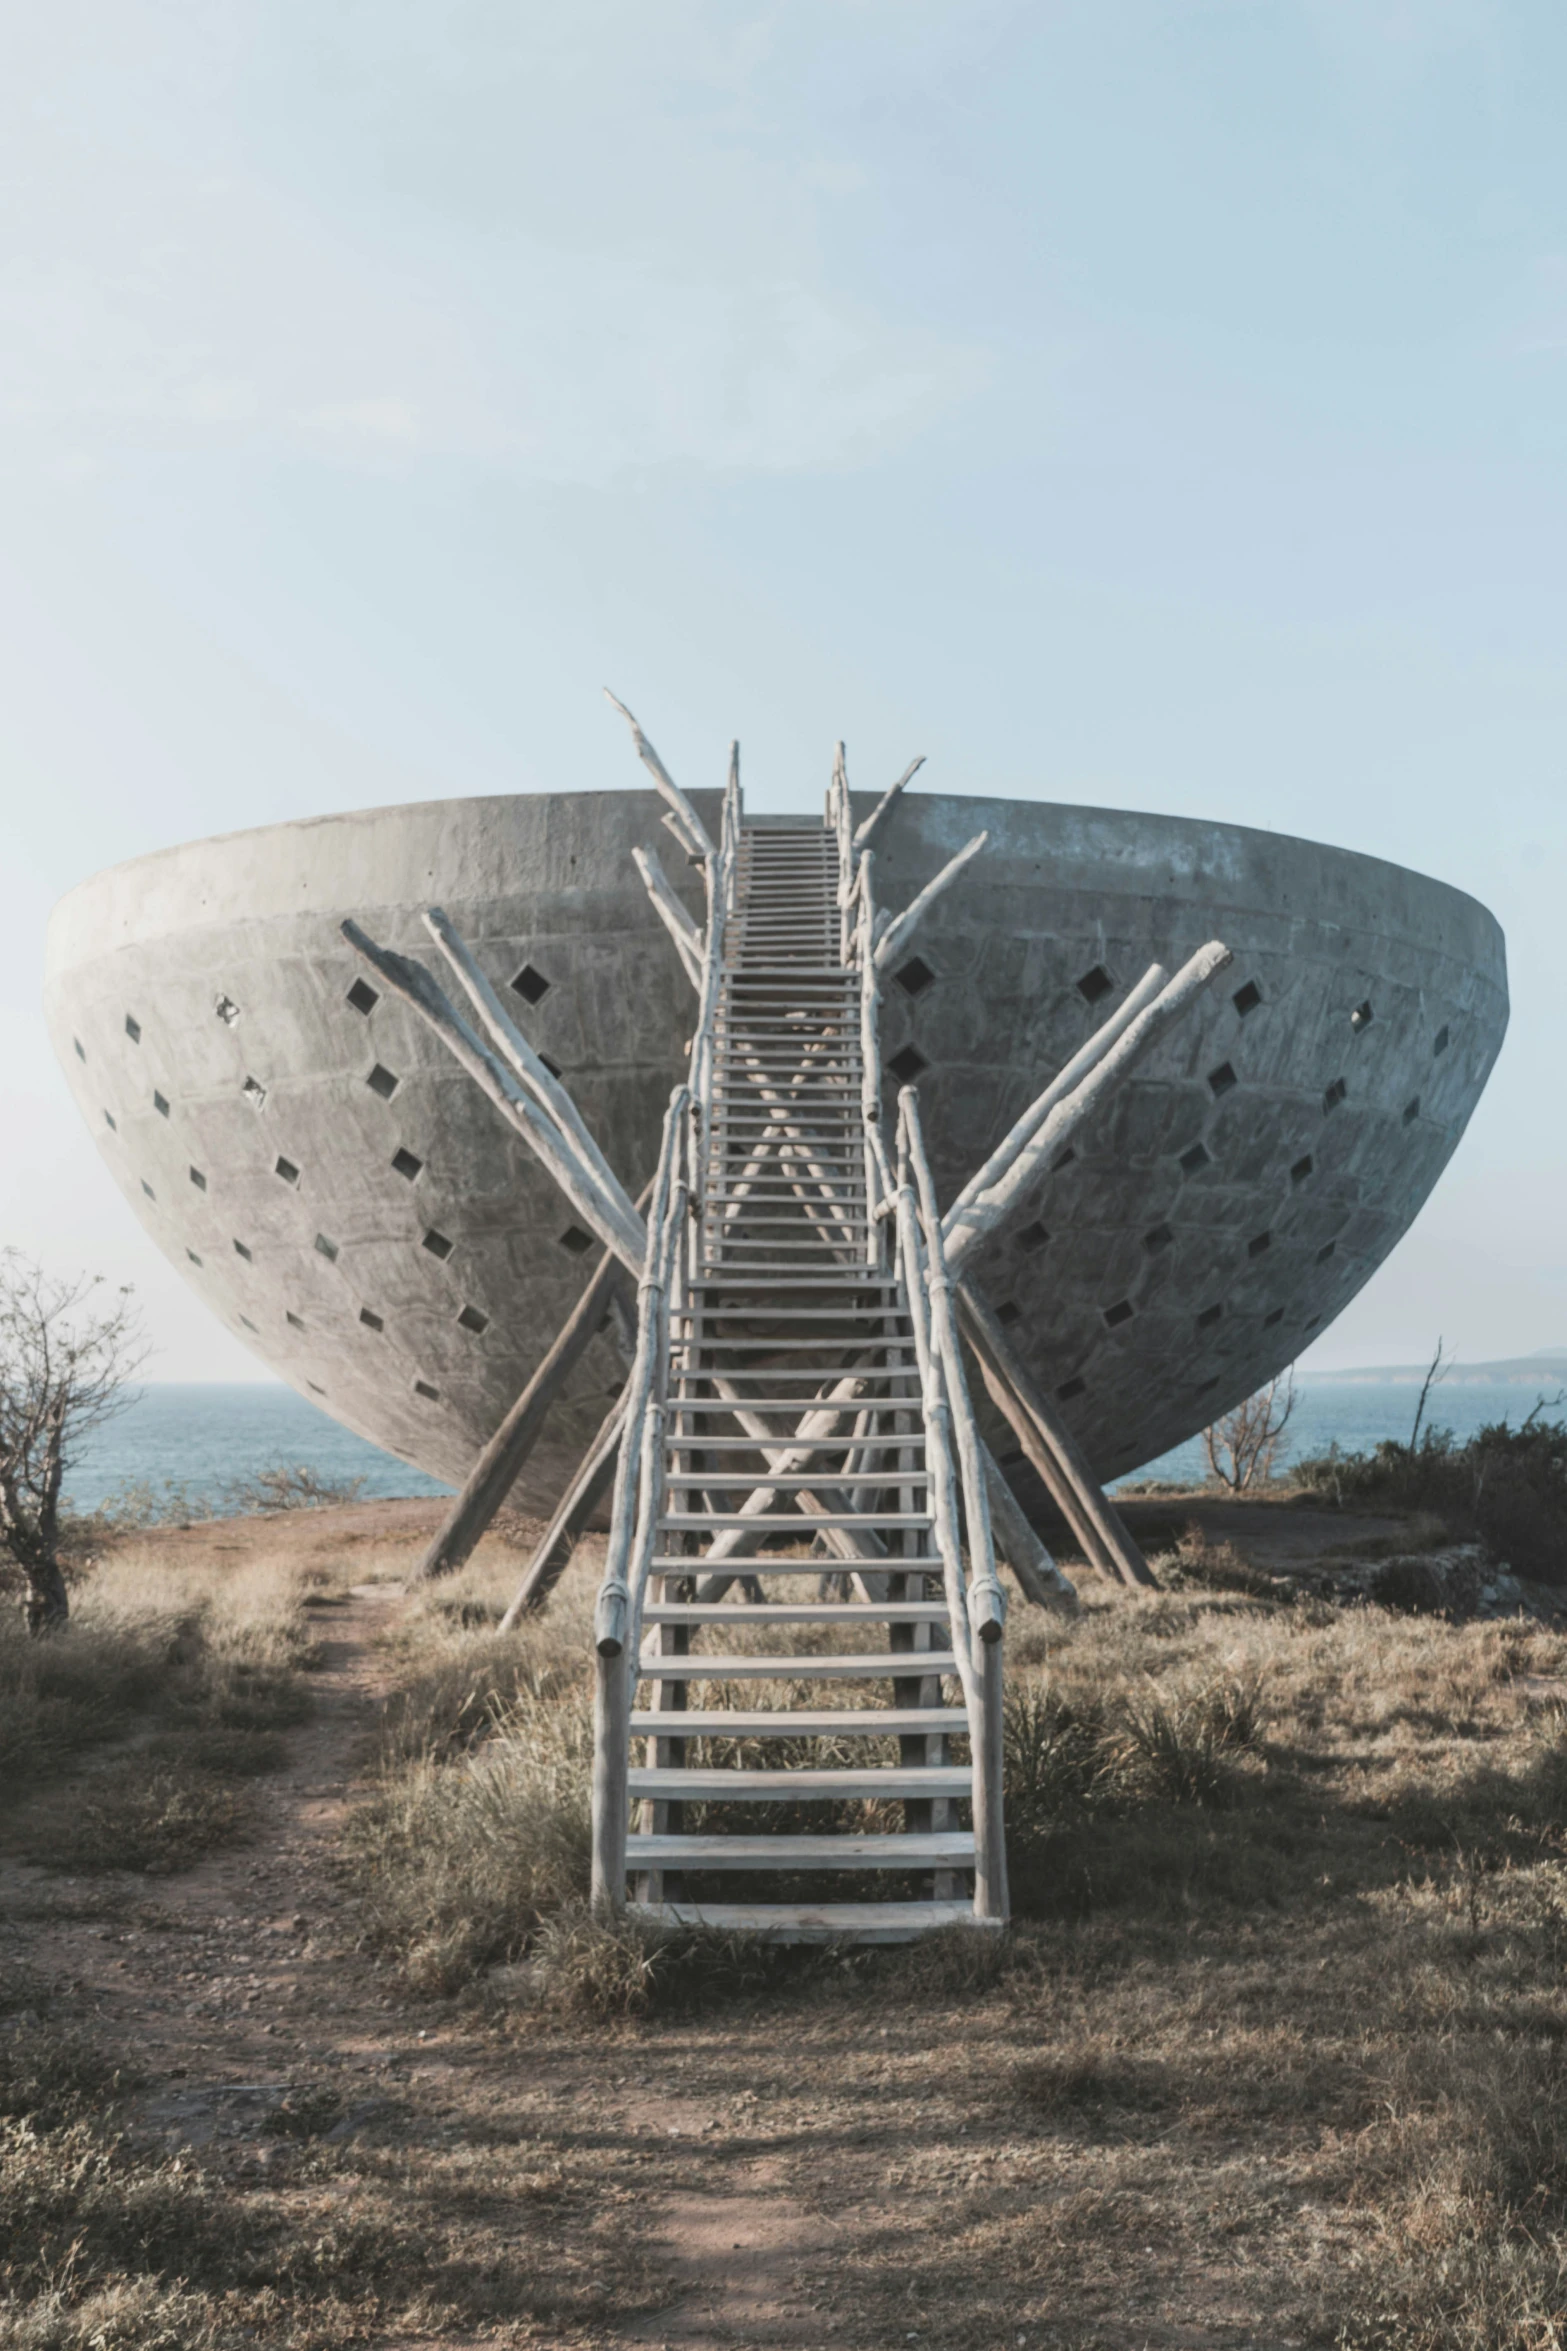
[[991, 1898]]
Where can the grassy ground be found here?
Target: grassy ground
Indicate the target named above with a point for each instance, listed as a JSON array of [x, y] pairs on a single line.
[[1273, 2055]]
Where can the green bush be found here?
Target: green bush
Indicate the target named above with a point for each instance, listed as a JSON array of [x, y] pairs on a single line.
[[1505, 1487]]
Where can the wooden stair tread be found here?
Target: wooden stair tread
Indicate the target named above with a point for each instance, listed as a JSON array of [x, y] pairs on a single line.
[[740, 1787], [819, 1922], [837, 1665], [803, 1722], [940, 1848], [796, 1611]]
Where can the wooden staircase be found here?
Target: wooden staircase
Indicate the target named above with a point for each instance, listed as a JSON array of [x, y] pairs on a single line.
[[785, 1638]]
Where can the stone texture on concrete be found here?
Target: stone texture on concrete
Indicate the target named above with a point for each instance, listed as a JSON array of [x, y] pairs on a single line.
[[349, 1204]]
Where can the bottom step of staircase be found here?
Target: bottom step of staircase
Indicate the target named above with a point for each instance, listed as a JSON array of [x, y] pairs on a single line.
[[825, 1922]]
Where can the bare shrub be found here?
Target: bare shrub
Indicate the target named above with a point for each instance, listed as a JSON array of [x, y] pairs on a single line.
[[287, 1486], [1243, 1446]]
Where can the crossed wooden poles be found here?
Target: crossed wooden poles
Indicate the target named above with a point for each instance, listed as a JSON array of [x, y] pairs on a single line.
[[478, 1030]]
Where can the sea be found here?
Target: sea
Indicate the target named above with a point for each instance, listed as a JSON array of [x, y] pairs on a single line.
[[183, 1449]]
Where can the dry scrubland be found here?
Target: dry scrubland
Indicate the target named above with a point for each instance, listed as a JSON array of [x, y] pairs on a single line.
[[1273, 2055]]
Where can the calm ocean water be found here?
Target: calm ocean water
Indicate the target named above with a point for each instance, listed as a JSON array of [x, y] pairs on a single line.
[[199, 1438]]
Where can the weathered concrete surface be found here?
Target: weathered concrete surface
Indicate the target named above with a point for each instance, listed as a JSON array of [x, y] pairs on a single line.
[[226, 958]]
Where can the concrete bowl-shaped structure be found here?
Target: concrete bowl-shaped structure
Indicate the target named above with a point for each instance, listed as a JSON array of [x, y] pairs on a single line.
[[349, 1204]]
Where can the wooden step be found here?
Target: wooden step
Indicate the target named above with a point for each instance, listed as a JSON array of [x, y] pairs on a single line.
[[938, 1849], [797, 1612], [801, 1722], [853, 1665], [820, 1922], [778, 1787], [767, 1563]]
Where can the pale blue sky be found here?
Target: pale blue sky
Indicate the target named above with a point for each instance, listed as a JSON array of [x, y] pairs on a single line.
[[1156, 405]]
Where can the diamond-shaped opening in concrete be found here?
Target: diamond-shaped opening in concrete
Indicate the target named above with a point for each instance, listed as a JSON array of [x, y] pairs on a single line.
[[227, 1010], [1334, 1094], [1269, 1320], [1411, 1111], [147, 1188], [133, 1028], [406, 1164], [1160, 1238], [160, 1103], [1070, 1388], [1033, 1236], [1208, 1317], [1062, 1159], [372, 1322], [1326, 1251], [249, 1325], [552, 1066], [191, 1254], [287, 1170], [914, 976], [1120, 1312], [1094, 984], [240, 1250], [363, 997], [472, 1320], [1221, 1079], [1009, 1312], [530, 984], [423, 1388], [111, 1120], [1259, 1244], [315, 1388], [1439, 1042], [1198, 1156], [326, 1248], [576, 1240], [616, 1388], [290, 1317], [198, 1179], [1311, 1322], [255, 1093], [1247, 999], [437, 1243], [1362, 1017], [81, 1050], [906, 1064], [382, 1081], [1301, 1169], [1203, 1386]]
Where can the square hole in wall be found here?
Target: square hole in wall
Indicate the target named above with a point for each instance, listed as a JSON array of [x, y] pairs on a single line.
[[147, 1188], [1411, 1111], [249, 1325], [287, 1170], [1208, 1317], [1198, 1156], [472, 1320], [406, 1164], [326, 1248], [423, 1388], [191, 1254], [1259, 1244], [437, 1243], [1362, 1017], [1334, 1094], [133, 1028], [530, 984], [1094, 984], [1009, 1312], [363, 997], [552, 1066], [906, 1064], [293, 1319], [255, 1093], [1247, 999], [160, 1103], [227, 1010], [1301, 1169], [1070, 1388], [109, 1120], [1119, 1313], [382, 1081], [1269, 1320], [576, 1240], [198, 1179], [1441, 1040], [1159, 1238], [914, 976], [372, 1322], [240, 1250], [1220, 1080], [1033, 1236], [1326, 1251]]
